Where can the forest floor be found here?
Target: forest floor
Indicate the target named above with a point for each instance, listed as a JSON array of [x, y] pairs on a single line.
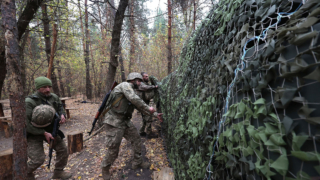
[[86, 164]]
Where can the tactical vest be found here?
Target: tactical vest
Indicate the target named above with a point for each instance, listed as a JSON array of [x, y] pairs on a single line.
[[148, 95], [124, 106]]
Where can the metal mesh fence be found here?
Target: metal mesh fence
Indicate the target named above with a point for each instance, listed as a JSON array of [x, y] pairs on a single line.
[[243, 103]]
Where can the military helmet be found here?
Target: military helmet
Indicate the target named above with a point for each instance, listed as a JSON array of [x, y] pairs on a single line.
[[133, 76], [42, 115]]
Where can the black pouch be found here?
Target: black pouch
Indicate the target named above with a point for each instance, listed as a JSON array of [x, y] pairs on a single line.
[[60, 133]]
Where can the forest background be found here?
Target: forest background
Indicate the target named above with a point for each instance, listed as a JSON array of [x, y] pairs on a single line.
[[83, 45]]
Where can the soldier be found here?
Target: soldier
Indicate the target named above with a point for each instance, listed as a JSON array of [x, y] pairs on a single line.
[[122, 102], [40, 109], [146, 93]]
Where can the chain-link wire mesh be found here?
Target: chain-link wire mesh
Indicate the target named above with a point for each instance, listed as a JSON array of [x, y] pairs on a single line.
[[243, 103]]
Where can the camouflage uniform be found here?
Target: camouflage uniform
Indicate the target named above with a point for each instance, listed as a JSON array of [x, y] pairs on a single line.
[[35, 135], [146, 93], [118, 123]]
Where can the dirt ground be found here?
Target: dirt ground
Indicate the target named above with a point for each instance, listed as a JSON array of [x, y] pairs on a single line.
[[86, 164]]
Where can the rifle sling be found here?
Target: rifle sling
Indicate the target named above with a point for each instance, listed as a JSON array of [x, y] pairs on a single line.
[[115, 102]]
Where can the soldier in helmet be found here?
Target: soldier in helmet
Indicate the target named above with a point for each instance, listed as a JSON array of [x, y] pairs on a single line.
[[40, 109], [146, 93], [122, 102]]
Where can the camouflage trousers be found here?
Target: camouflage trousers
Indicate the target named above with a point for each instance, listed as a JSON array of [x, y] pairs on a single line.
[[36, 154], [113, 141], [146, 125]]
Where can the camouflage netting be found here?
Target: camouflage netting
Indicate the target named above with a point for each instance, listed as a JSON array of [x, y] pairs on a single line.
[[244, 102]]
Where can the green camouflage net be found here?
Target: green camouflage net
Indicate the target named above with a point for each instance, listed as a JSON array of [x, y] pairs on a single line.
[[244, 102]]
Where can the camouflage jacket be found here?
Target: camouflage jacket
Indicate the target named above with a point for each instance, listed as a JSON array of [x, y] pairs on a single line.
[[120, 114], [145, 91], [38, 99]]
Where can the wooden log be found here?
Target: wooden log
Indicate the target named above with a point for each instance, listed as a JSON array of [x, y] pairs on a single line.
[[75, 142], [6, 159]]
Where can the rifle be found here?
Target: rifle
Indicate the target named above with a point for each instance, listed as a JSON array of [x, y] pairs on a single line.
[[55, 132], [102, 106]]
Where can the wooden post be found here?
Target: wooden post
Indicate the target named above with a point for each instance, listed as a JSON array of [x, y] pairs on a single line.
[[6, 159], [75, 142]]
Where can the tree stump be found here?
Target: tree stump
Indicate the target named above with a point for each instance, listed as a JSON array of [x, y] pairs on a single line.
[[75, 142], [6, 159], [165, 174]]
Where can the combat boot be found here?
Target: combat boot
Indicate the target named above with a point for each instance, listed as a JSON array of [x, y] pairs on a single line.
[[61, 174], [105, 173], [143, 165], [30, 176]]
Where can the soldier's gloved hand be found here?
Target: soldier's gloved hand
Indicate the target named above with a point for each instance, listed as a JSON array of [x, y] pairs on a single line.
[[156, 86], [159, 116], [63, 119], [48, 136], [152, 110]]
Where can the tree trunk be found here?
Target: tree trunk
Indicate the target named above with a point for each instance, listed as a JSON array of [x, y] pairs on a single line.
[[86, 57], [194, 14], [123, 75], [18, 111], [93, 66], [82, 31], [3, 68], [60, 79], [132, 37], [23, 64], [23, 22], [68, 75], [68, 69], [53, 49], [169, 38], [116, 32], [103, 48], [46, 35]]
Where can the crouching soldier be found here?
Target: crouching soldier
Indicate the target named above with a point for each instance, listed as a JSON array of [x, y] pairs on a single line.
[[40, 109], [122, 102], [146, 93]]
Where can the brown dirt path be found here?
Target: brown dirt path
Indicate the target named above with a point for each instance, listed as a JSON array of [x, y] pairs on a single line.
[[86, 164]]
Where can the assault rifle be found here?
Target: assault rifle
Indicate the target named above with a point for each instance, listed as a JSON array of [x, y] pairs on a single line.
[[55, 132], [102, 106]]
